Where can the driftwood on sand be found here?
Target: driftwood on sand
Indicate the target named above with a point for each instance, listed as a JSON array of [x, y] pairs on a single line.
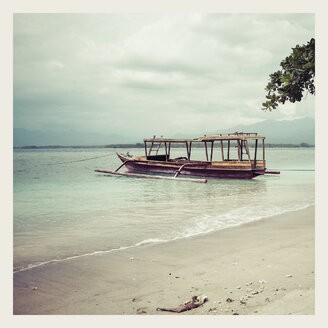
[[195, 302]]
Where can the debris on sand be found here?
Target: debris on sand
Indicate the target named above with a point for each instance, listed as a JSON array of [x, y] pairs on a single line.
[[243, 300], [229, 300], [195, 302], [142, 310]]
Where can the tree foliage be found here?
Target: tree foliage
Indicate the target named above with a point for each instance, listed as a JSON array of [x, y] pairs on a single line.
[[296, 76]]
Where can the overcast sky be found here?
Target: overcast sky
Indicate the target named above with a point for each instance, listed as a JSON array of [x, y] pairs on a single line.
[[142, 74]]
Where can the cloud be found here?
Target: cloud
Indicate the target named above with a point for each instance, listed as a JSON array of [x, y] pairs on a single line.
[[143, 72]]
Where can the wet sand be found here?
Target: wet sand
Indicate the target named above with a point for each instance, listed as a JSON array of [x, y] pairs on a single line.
[[264, 267]]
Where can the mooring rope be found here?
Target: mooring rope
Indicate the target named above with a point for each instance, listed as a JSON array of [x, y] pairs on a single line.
[[79, 160]]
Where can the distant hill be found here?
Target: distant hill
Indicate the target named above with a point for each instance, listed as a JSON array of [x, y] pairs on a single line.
[[276, 132], [286, 132]]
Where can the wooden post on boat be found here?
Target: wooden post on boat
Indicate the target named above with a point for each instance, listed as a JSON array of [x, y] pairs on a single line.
[[205, 143], [145, 142], [166, 155], [159, 146], [189, 156], [188, 150], [222, 151], [212, 150], [151, 146], [255, 152], [238, 145], [263, 150], [247, 150], [228, 150]]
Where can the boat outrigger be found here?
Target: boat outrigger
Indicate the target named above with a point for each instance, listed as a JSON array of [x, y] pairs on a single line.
[[241, 156]]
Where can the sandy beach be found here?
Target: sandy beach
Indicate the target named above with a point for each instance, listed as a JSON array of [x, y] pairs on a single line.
[[264, 267]]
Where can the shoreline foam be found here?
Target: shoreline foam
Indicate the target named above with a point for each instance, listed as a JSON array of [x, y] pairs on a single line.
[[155, 241]]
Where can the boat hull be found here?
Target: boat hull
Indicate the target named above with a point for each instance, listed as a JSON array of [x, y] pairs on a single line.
[[200, 170]]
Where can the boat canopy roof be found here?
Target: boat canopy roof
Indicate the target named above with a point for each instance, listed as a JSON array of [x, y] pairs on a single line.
[[229, 136]]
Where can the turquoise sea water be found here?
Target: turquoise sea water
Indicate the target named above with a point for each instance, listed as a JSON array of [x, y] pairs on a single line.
[[63, 209]]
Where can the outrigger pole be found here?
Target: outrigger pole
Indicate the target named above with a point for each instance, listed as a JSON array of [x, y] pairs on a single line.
[[137, 175], [153, 176]]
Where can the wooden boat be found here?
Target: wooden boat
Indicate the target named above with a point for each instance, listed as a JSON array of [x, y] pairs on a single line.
[[241, 157]]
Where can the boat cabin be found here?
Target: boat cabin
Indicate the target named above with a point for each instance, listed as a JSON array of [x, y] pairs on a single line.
[[237, 147]]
